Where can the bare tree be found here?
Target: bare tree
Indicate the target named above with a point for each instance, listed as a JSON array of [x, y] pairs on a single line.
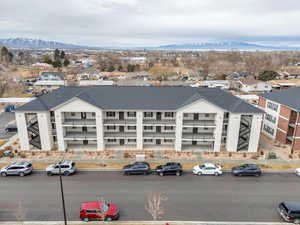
[[102, 211], [20, 213], [154, 205]]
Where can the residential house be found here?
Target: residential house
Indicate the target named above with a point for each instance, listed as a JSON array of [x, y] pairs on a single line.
[[252, 86]]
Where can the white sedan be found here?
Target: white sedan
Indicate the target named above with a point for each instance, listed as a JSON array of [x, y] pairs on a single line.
[[207, 169], [297, 171]]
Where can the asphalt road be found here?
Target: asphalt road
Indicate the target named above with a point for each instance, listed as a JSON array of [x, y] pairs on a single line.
[[209, 198]]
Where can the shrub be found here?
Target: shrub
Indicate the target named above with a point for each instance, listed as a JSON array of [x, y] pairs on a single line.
[[244, 154], [216, 154], [230, 154], [272, 155], [262, 153]]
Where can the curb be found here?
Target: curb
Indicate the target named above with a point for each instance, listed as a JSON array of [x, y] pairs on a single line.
[[147, 222]]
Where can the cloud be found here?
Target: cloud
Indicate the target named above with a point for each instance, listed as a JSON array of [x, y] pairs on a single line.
[[150, 22]]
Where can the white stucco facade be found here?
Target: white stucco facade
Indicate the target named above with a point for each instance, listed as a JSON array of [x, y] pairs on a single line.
[[78, 125]]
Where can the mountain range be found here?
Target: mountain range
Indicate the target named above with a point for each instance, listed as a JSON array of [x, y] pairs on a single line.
[[28, 43]]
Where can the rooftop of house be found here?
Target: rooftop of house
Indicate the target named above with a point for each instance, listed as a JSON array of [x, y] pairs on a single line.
[[250, 82], [288, 97], [139, 98]]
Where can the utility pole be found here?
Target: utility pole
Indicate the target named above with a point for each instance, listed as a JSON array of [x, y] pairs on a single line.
[[62, 194]]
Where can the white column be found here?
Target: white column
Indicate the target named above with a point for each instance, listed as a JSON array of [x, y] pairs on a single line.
[[178, 131], [99, 128], [218, 131], [45, 130], [59, 117], [233, 132], [22, 130], [255, 133], [139, 130]]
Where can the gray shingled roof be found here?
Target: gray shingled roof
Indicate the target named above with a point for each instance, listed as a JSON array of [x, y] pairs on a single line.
[[143, 98], [289, 97]]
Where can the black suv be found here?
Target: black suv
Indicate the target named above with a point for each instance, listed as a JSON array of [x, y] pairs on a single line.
[[137, 168], [246, 170], [290, 211], [171, 168]]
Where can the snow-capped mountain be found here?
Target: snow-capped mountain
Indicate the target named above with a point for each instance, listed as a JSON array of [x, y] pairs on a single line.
[[28, 43], [230, 45]]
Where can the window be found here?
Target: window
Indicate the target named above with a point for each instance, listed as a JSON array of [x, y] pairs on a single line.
[[73, 114], [111, 140], [93, 114], [206, 115], [131, 128], [169, 114], [185, 115], [148, 127], [148, 140], [169, 128], [51, 113], [148, 114], [131, 140], [131, 114], [111, 114], [268, 129], [111, 127], [168, 140], [272, 106], [270, 118]]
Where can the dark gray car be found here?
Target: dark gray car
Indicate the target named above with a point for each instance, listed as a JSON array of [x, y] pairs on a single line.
[[18, 168]]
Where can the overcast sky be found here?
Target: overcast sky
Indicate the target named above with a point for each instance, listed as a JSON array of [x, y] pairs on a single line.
[[151, 22]]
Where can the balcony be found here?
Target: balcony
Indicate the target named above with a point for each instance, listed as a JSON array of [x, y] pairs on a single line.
[[154, 135], [113, 122], [119, 135], [159, 122], [197, 137], [199, 123], [79, 122], [80, 136]]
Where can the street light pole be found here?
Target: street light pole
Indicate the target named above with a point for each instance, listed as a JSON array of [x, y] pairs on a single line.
[[62, 195]]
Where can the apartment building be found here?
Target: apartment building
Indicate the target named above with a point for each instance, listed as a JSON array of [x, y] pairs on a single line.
[[149, 118], [281, 121]]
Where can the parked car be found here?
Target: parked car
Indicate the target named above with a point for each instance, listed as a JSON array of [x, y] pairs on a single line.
[[208, 169], [98, 211], [170, 168], [18, 168], [297, 171], [11, 128], [67, 168], [137, 168], [290, 211], [246, 170]]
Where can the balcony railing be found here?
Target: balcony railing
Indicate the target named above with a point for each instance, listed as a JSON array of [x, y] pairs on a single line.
[[119, 134], [199, 123], [79, 122], [159, 122], [159, 135], [119, 122], [80, 136], [193, 136]]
